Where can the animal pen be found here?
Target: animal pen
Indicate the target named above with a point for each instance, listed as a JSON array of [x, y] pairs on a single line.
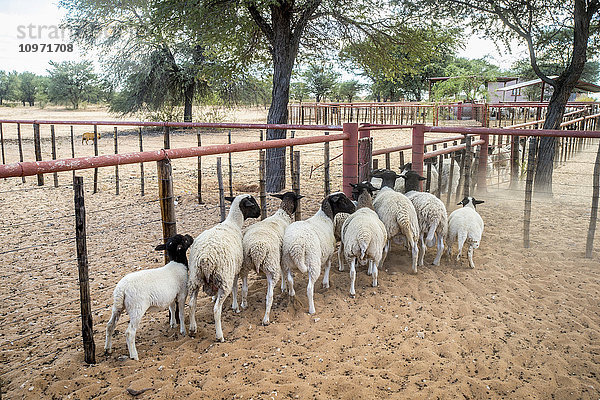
[[188, 184]]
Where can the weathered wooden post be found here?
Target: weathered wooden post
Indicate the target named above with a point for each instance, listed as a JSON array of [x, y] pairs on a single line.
[[364, 158], [296, 183], [166, 137], [528, 190], [401, 159], [116, 166], [440, 164], [72, 147], [326, 178], [53, 140], [166, 199], [262, 184], [589, 246], [221, 190], [199, 169], [350, 157], [2, 142], [292, 135], [38, 150], [20, 146], [467, 174], [87, 325], [418, 150], [95, 154], [141, 164], [230, 167]]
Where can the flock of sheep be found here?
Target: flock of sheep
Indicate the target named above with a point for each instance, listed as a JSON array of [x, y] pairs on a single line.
[[277, 246]]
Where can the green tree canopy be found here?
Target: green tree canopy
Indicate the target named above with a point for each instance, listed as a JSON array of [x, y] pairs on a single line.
[[71, 82], [320, 80], [468, 79]]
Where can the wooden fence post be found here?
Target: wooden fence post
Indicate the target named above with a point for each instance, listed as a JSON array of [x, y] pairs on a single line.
[[364, 158], [166, 137], [221, 190], [261, 184], [87, 324], [167, 203], [461, 176], [292, 135], [95, 154], [141, 164], [199, 169], [230, 168], [53, 140], [72, 147], [467, 170], [20, 146], [401, 159], [589, 246], [440, 160], [38, 150], [418, 150], [451, 178], [2, 142], [350, 158], [296, 183], [375, 163], [326, 178], [116, 166], [528, 190]]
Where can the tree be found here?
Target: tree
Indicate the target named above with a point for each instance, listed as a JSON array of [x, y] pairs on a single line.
[[401, 67], [27, 88], [4, 86], [468, 80], [161, 61], [71, 82], [545, 26], [299, 91], [320, 80], [349, 89]]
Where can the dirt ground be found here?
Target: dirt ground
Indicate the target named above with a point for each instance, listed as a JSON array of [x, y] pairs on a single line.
[[524, 324]]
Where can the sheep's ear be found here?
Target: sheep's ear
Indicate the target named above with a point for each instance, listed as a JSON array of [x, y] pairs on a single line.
[[422, 178], [161, 247], [277, 195], [353, 185], [229, 198], [478, 201], [299, 196]]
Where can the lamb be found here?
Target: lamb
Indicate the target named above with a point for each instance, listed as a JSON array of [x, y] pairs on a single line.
[[364, 237], [262, 247], [216, 259], [432, 216], [151, 289], [397, 213], [465, 225], [310, 244]]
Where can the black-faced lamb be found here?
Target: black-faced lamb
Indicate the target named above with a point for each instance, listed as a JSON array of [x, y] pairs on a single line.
[[216, 259], [262, 247], [465, 225], [398, 214], [364, 237], [432, 216], [151, 289], [310, 244]]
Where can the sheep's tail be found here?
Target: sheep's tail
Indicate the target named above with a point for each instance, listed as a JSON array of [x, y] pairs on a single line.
[[363, 248], [257, 256], [118, 299], [430, 241], [296, 255]]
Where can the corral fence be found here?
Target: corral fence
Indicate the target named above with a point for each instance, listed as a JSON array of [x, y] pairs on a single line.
[[437, 114], [469, 146]]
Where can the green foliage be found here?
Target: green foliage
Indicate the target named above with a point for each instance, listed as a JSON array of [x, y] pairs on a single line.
[[72, 83], [27, 88], [468, 80], [320, 80], [348, 90], [299, 91]]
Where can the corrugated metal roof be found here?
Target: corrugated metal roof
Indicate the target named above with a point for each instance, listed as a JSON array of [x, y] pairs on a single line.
[[581, 85]]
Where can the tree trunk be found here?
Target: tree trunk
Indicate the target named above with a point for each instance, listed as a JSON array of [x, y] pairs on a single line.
[[278, 114], [188, 95], [563, 87]]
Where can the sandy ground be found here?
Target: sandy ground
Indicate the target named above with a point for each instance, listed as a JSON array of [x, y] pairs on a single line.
[[523, 324]]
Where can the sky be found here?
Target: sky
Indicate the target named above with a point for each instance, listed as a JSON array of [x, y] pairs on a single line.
[[24, 23]]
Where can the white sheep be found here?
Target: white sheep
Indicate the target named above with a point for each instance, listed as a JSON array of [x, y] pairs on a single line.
[[398, 214], [310, 244], [364, 237], [432, 216], [151, 289], [465, 225], [262, 247], [216, 259]]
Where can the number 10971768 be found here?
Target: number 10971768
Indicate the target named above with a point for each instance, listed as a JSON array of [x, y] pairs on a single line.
[[45, 48]]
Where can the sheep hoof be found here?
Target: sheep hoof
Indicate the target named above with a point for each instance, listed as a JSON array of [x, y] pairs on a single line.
[[353, 295], [221, 340], [265, 322], [193, 334]]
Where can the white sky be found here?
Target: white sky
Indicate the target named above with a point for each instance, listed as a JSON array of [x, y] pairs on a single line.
[[38, 20]]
